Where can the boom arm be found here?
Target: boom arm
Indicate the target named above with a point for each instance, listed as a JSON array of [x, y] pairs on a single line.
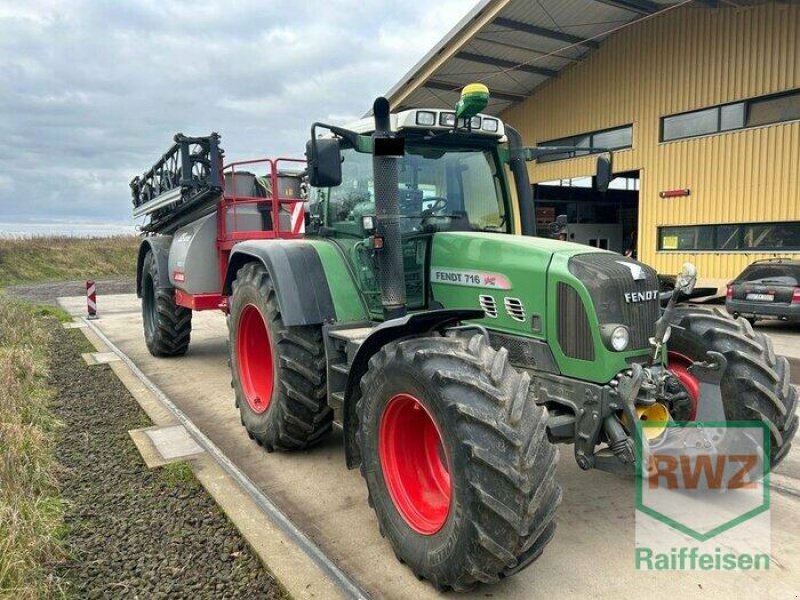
[[181, 185]]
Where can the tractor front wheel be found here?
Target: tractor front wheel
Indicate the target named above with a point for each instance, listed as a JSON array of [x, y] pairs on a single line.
[[278, 372], [456, 460], [755, 386]]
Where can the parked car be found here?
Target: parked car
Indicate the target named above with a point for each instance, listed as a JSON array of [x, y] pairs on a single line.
[[767, 289]]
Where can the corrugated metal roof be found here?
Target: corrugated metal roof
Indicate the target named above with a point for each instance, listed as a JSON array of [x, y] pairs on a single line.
[[516, 45]]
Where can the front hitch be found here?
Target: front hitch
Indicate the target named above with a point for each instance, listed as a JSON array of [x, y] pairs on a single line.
[[635, 388]]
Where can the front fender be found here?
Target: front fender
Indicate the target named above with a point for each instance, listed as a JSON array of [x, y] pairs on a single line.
[[415, 324]]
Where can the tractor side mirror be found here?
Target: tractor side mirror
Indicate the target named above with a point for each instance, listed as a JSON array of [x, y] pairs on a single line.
[[324, 162], [604, 173]]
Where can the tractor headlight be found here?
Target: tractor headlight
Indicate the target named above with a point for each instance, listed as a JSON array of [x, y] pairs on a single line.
[[616, 337], [620, 338]]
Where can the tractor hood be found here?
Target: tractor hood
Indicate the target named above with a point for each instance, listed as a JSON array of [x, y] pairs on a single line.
[[506, 275]]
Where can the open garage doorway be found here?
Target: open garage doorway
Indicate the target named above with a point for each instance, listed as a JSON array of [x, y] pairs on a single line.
[[602, 220]]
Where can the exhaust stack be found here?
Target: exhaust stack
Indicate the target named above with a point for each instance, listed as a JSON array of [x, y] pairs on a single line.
[[386, 154]]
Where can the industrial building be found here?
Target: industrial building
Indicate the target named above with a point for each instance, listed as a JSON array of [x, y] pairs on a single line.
[[699, 99]]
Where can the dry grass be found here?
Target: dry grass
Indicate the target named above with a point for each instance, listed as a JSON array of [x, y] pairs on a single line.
[[30, 507], [61, 258]]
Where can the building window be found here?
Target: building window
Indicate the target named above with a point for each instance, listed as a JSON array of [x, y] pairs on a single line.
[[765, 110], [617, 138], [731, 237]]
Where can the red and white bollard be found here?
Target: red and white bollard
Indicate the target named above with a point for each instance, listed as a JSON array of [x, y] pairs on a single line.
[[91, 299]]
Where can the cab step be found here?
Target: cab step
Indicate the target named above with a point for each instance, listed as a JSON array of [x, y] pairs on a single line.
[[341, 346], [353, 336], [342, 368]]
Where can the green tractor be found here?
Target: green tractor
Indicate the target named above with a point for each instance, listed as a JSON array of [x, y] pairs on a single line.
[[457, 349]]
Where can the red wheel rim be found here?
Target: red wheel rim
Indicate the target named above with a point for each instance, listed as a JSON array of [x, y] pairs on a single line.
[[254, 359], [679, 365], [414, 464]]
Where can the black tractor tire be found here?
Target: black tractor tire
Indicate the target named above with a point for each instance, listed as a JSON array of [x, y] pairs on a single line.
[[297, 415], [167, 326], [756, 385], [501, 467]]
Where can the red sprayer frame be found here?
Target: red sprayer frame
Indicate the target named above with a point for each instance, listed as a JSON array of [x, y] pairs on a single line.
[[228, 204]]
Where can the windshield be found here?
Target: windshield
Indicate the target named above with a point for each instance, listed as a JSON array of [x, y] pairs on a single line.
[[441, 189]]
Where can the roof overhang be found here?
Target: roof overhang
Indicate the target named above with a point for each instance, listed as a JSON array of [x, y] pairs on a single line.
[[514, 46]]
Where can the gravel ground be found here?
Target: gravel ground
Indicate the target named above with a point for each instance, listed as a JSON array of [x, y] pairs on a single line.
[[130, 531], [46, 293]]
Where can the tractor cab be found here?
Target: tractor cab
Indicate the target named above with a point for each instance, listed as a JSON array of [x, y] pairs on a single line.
[[450, 179]]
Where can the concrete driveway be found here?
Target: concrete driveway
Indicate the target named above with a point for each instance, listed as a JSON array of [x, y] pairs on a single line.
[[591, 555]]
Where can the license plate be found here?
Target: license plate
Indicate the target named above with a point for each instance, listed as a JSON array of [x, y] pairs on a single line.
[[761, 297]]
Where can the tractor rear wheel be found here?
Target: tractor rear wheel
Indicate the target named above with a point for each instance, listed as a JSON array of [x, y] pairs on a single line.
[[167, 326], [456, 460], [755, 386], [278, 372]]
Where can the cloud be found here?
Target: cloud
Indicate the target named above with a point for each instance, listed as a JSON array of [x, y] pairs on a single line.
[[93, 91]]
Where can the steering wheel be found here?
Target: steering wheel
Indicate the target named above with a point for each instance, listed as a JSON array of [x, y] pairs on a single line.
[[439, 203]]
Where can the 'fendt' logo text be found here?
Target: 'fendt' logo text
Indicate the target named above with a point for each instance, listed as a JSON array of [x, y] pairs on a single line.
[[633, 297]]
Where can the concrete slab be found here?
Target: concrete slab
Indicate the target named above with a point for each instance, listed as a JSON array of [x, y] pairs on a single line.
[[173, 442], [99, 358], [591, 554], [74, 325], [148, 450]]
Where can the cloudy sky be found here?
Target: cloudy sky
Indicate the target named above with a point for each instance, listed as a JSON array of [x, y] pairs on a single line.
[[93, 90]]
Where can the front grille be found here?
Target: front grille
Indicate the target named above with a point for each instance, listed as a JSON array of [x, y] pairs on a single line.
[[574, 333], [608, 278]]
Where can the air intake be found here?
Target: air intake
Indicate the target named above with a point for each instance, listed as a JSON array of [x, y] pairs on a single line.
[[489, 305], [515, 309]]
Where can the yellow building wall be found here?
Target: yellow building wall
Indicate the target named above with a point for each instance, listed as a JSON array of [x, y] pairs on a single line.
[[688, 58]]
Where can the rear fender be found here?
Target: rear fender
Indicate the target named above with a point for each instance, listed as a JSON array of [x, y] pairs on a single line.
[[409, 326], [159, 246]]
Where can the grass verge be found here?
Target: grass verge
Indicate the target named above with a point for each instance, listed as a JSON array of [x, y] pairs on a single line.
[[61, 258], [31, 511]]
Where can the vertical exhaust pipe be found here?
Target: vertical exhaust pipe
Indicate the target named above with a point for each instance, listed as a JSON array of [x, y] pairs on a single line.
[[387, 150]]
